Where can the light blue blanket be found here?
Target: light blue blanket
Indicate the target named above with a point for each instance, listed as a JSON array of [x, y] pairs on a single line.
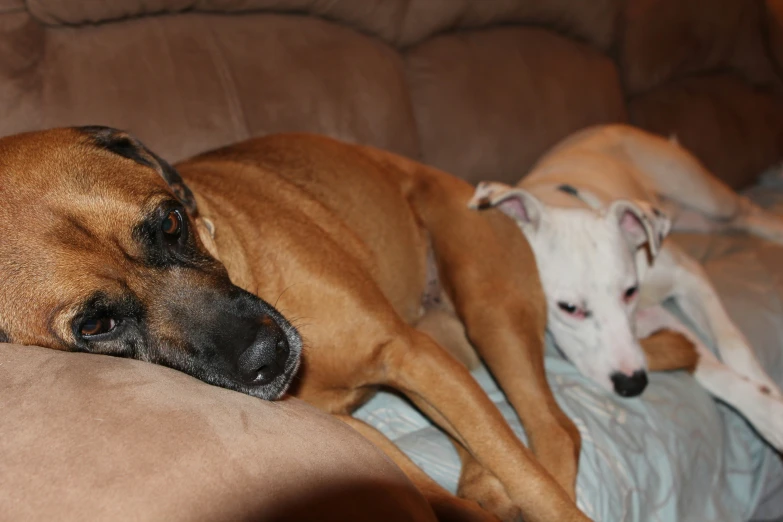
[[674, 454]]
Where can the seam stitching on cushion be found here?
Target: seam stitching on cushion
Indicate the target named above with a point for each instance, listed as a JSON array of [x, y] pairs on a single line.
[[236, 112]]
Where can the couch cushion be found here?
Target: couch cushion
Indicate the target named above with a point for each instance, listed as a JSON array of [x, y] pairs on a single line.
[[594, 21], [773, 25], [402, 22], [90, 437], [379, 17], [665, 39], [489, 103], [11, 5], [73, 12], [191, 82], [736, 130]]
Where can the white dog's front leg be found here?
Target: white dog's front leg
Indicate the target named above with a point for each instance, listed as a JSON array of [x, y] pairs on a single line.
[[747, 217], [751, 399], [696, 297], [758, 221]]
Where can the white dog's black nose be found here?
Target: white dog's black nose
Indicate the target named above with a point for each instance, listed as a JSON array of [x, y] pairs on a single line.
[[629, 386]]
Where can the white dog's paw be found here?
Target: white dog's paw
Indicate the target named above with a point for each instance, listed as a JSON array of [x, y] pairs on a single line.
[[761, 404], [760, 222], [770, 422]]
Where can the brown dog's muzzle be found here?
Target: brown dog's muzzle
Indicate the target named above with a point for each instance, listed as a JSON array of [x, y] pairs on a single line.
[[226, 336]]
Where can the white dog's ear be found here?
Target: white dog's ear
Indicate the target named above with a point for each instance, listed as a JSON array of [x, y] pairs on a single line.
[[640, 223], [522, 206]]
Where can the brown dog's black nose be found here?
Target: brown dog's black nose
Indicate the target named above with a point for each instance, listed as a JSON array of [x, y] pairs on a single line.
[[266, 358], [629, 386]]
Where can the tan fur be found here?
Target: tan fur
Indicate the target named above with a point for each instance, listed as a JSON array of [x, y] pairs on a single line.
[[336, 236], [667, 350], [446, 328]]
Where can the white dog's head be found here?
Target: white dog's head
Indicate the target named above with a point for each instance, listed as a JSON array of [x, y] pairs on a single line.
[[591, 262]]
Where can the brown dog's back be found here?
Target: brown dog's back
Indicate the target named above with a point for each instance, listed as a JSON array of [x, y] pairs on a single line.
[[322, 231], [321, 188]]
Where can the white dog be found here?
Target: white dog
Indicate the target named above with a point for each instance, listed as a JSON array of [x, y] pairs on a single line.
[[594, 210]]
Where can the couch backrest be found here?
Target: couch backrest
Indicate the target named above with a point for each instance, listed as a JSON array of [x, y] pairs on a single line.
[[478, 87]]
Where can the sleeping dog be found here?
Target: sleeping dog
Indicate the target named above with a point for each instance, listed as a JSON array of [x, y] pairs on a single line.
[[595, 210], [105, 248]]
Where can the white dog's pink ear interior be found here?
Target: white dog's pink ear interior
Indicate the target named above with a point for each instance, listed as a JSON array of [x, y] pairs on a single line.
[[521, 206], [632, 228], [640, 223], [513, 207]]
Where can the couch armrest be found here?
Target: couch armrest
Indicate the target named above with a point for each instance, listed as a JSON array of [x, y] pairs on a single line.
[[90, 437]]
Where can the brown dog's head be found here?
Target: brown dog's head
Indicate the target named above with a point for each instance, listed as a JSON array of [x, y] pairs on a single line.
[[99, 252]]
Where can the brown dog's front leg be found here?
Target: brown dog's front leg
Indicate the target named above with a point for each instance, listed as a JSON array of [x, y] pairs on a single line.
[[489, 271], [513, 351], [446, 506], [446, 392], [477, 483]]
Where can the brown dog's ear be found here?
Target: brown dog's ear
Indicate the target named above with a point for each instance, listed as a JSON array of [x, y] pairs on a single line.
[[121, 143]]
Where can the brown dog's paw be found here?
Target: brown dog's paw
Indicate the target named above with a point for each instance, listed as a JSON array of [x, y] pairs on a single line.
[[480, 485]]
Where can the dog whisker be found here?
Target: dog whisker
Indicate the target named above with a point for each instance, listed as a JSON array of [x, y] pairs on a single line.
[[281, 293]]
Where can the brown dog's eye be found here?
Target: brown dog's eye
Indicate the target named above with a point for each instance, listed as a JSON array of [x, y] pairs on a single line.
[[97, 326], [172, 225]]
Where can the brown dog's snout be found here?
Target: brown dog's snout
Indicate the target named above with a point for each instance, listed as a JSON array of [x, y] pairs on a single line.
[[266, 358], [233, 338]]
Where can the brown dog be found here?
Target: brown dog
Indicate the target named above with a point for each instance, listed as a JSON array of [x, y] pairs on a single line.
[[105, 250]]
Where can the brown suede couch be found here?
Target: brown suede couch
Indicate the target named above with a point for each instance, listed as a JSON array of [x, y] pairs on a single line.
[[477, 87]]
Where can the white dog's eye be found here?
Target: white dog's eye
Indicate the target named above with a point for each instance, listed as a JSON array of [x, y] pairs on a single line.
[[573, 310], [630, 293], [566, 307]]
